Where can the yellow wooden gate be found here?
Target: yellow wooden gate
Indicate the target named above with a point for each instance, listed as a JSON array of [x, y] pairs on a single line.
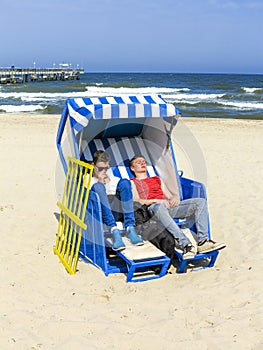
[[72, 215]]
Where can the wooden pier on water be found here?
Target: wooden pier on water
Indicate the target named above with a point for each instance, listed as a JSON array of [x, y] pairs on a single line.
[[25, 75]]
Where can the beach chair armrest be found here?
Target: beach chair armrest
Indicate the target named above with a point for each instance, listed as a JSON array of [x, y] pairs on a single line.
[[192, 188]]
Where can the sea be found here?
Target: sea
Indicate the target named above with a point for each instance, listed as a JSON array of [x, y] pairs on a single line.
[[196, 95]]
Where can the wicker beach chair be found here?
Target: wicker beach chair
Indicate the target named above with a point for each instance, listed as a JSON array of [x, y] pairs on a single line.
[[125, 126]]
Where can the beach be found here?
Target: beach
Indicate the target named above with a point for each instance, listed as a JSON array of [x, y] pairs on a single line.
[[43, 307]]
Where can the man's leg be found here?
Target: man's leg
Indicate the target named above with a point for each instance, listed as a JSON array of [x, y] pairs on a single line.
[[123, 203], [196, 208], [162, 214], [107, 216], [124, 196]]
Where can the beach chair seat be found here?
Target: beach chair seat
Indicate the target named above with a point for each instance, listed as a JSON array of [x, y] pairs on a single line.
[[136, 261], [141, 258]]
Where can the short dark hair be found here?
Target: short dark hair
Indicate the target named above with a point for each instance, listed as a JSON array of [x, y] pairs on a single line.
[[134, 158], [100, 156]]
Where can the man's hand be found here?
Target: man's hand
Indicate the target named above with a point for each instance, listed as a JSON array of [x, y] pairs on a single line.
[[103, 178], [168, 203], [174, 201]]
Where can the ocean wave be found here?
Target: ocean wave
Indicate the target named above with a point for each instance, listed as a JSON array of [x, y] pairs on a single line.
[[197, 97], [91, 91], [243, 105], [21, 108], [38, 99], [224, 104], [35, 101], [106, 90], [41, 95], [213, 95], [251, 90]]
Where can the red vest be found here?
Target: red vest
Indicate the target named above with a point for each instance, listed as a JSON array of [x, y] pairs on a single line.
[[149, 188]]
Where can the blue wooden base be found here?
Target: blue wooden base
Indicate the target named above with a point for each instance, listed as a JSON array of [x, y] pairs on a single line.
[[211, 257]]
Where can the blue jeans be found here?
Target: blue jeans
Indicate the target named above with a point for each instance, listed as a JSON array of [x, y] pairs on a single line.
[[121, 207], [194, 209]]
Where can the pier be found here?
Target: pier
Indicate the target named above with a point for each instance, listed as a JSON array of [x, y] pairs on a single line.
[[24, 75]]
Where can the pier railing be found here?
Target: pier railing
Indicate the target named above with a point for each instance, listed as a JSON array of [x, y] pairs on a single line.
[[23, 75]]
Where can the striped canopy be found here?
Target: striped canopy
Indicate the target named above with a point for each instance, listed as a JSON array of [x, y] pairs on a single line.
[[82, 110]]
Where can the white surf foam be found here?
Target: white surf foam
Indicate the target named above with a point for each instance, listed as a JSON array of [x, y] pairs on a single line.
[[91, 91], [251, 90], [104, 90], [21, 108], [243, 105]]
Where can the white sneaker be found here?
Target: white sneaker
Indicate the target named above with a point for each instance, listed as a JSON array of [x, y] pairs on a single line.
[[210, 246], [189, 252]]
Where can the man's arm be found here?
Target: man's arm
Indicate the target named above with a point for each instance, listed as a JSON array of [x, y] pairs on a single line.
[[172, 199]]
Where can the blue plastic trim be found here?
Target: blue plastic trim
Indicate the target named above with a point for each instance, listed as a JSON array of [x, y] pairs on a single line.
[[61, 128], [183, 263]]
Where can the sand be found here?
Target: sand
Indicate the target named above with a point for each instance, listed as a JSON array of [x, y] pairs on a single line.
[[43, 307]]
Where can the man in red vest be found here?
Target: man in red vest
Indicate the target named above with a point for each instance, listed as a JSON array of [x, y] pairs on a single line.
[[165, 206]]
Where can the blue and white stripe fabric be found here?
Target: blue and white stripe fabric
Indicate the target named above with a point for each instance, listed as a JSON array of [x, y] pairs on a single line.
[[81, 110], [120, 150]]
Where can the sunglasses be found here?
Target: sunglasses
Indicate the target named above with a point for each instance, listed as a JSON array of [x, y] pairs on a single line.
[[100, 168]]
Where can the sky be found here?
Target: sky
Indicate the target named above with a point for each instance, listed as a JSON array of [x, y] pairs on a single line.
[[180, 36]]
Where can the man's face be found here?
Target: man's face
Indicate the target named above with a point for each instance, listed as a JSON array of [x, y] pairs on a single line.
[[139, 165], [101, 168]]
